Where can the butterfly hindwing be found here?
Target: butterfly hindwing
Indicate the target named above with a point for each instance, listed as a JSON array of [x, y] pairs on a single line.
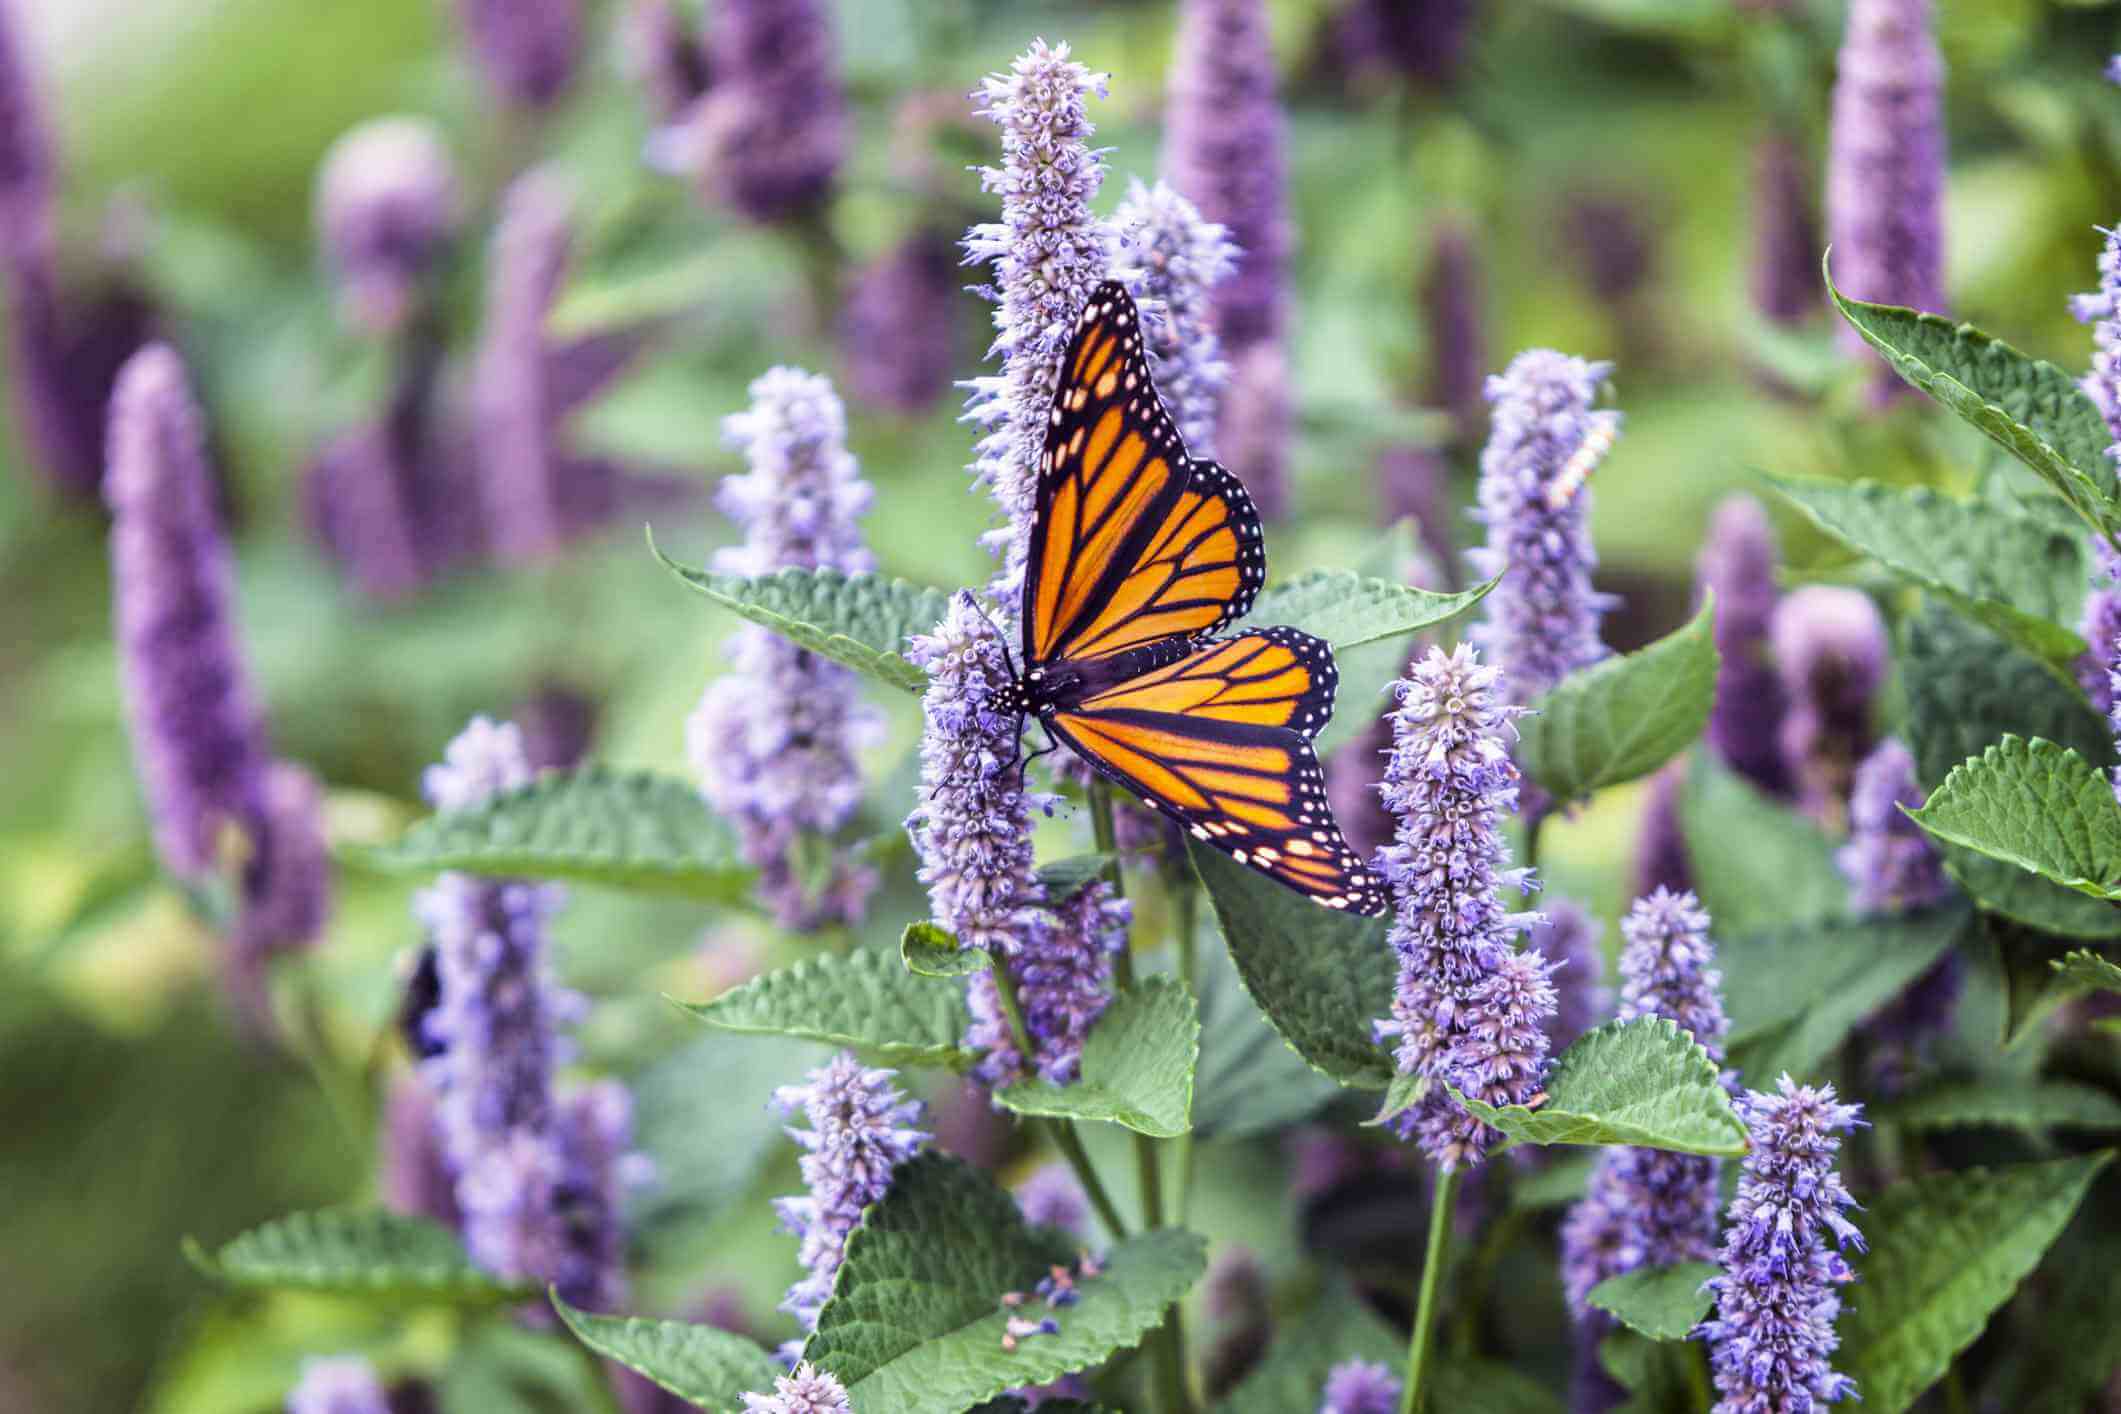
[[1270, 677]]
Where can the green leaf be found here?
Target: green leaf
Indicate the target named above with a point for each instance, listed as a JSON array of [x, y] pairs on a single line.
[[915, 1320], [1321, 977], [626, 829], [1757, 864], [1664, 1303], [2035, 805], [1137, 1065], [928, 951], [2031, 409], [1946, 1250], [1348, 610], [1247, 1082], [1336, 1326], [1624, 717], [356, 1252], [712, 1368], [1554, 1184], [2010, 573], [1660, 1376], [1645, 1083], [861, 620], [865, 999], [2032, 1105]]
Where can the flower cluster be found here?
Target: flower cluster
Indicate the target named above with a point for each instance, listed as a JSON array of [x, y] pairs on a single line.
[[662, 55], [1048, 251], [1567, 937], [1181, 258], [774, 740], [519, 482], [808, 1390], [1468, 1009], [342, 1384], [528, 50], [1661, 858], [387, 207], [1052, 1197], [862, 1127], [1772, 1331], [1737, 565], [1542, 621], [1785, 215], [286, 885], [897, 329], [1360, 1387], [1830, 648], [2100, 627], [1890, 864], [1063, 978], [1452, 296]]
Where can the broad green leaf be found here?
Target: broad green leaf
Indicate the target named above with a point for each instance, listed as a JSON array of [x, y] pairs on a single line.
[[1664, 1303], [711, 1367], [2031, 409], [915, 1320], [1645, 1083], [865, 999], [2063, 1342], [1248, 1082], [1946, 1250], [861, 620], [1757, 864], [1660, 1376], [1963, 689], [2010, 573], [703, 1115], [2035, 805], [1320, 977], [1555, 1184], [1624, 717], [930, 952], [356, 1252], [2032, 1105], [626, 829], [1137, 1065], [1348, 610]]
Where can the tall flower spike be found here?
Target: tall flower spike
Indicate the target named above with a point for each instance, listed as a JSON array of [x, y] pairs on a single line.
[[1772, 1332], [771, 132], [198, 734], [1542, 620], [1568, 939], [862, 1127], [1647, 1207], [513, 413], [2102, 310], [1224, 144], [1063, 977], [1785, 214], [1047, 251], [1831, 650], [1468, 1009], [1661, 860], [527, 50], [1452, 296], [1737, 565], [387, 206], [808, 1390], [1885, 164], [774, 740], [898, 330], [1182, 259], [2100, 626], [1360, 1387], [342, 1384]]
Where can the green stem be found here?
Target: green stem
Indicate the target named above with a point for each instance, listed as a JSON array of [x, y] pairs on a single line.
[[1697, 1376], [1532, 832], [1070, 1144], [1005, 987], [1440, 1206], [1185, 903], [1107, 837]]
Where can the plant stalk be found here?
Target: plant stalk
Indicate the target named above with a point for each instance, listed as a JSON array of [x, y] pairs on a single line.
[[1440, 1206], [1063, 1130]]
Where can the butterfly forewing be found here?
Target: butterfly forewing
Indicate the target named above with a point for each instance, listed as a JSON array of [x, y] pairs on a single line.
[[1271, 677]]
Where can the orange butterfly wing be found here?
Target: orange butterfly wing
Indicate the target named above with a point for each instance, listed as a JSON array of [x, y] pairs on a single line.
[[1135, 541]]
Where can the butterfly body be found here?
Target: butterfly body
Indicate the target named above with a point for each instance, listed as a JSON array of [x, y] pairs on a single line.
[[1140, 557]]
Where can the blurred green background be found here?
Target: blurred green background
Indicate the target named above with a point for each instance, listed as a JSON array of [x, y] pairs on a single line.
[[130, 1112]]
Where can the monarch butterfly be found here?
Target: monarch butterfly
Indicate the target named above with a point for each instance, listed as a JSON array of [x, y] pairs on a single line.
[[1139, 555]]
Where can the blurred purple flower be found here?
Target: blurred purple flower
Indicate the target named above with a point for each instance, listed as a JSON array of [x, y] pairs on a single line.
[[1182, 259], [1426, 40], [1567, 937], [415, 1177], [862, 1127], [1258, 414], [2113, 69], [774, 740], [340, 1384], [1063, 977], [29, 167], [1416, 482], [519, 481], [527, 50], [368, 493], [1360, 1387], [661, 54], [898, 330], [2102, 310], [1772, 1331], [808, 1390], [1737, 565], [1786, 242], [1047, 251], [1240, 1311], [1660, 841], [1453, 294], [387, 207], [1890, 864], [1885, 164], [1542, 621], [1351, 787], [199, 737], [1051, 1197], [1614, 249], [558, 723], [1831, 650], [1468, 1008], [2100, 627], [286, 892]]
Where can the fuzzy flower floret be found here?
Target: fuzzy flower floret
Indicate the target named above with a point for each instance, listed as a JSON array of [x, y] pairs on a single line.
[[1063, 975], [1772, 1331], [808, 1390], [1181, 257], [1359, 1387]]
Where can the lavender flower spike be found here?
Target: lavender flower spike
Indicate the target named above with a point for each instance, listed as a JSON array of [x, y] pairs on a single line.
[[1542, 620], [1468, 1008], [1785, 217], [1568, 939], [771, 132], [1831, 650], [1648, 1207], [774, 740], [1885, 162], [808, 1390], [527, 50], [897, 330], [1047, 251], [198, 733], [862, 1127], [2099, 627], [1452, 299], [1063, 977], [1052, 1197], [343, 1384], [1182, 259], [511, 407], [1360, 1387], [387, 205], [1737, 565], [1772, 1331], [1891, 865], [286, 887], [2102, 310]]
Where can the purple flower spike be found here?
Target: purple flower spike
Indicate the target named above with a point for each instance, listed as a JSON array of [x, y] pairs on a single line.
[[286, 893], [862, 1127], [29, 166], [1182, 259], [198, 735], [387, 206], [1360, 1387], [1661, 859], [1468, 1009], [1452, 297], [1772, 1331], [1063, 976], [1542, 620], [1885, 164], [1785, 281], [774, 741], [342, 1384], [1648, 1207], [1047, 251], [2100, 628], [898, 331], [1258, 415], [415, 1176], [1425, 40], [1568, 940], [1831, 650], [2102, 310], [511, 405], [1737, 565], [527, 50], [808, 1390], [663, 57], [771, 131], [1891, 865], [1051, 1197]]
